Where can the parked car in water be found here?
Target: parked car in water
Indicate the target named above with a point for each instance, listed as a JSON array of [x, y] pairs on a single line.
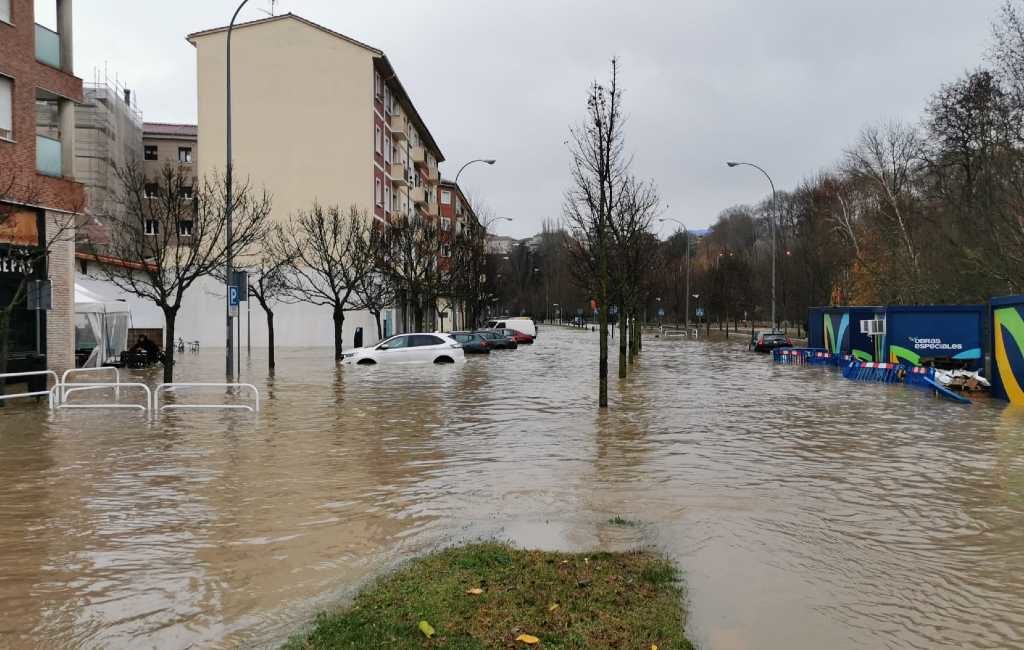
[[473, 342], [514, 334], [498, 340], [409, 348], [517, 323], [768, 340]]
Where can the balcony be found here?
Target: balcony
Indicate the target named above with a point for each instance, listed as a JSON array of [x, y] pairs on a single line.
[[430, 209], [48, 46], [49, 156], [419, 156], [433, 176], [418, 195], [399, 127], [397, 174]]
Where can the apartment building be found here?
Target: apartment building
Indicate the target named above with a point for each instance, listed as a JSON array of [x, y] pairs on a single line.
[[317, 117], [38, 194], [174, 145]]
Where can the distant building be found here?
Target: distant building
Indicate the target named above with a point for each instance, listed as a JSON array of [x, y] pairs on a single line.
[[500, 244], [38, 193]]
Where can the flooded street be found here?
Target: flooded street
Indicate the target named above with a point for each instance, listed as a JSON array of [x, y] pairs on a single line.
[[806, 511]]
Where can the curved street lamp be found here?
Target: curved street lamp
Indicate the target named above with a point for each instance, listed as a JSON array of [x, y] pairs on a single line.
[[228, 205], [489, 161], [687, 232], [771, 223]]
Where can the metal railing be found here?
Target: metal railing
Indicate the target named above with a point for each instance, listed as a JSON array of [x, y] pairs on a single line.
[[60, 393], [34, 373], [170, 387], [80, 371]]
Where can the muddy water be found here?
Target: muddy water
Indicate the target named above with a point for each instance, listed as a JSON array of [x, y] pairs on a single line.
[[806, 511]]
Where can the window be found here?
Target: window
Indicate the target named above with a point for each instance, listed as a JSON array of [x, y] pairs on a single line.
[[378, 140], [397, 343], [152, 190], [185, 228], [378, 196], [446, 223], [152, 227], [5, 10], [185, 155], [446, 250], [387, 196], [152, 153], [446, 197], [387, 101], [6, 107], [387, 148], [185, 193], [423, 340], [378, 85]]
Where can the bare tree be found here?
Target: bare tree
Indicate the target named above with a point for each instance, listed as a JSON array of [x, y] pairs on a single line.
[[331, 253], [269, 284], [171, 233], [409, 254], [599, 169]]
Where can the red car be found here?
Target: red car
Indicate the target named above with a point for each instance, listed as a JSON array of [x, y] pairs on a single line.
[[515, 335]]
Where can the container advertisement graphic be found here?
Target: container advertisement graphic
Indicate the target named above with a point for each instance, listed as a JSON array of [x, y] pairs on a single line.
[[917, 335], [1008, 348]]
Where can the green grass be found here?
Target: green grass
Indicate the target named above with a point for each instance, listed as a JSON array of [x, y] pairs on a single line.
[[620, 521], [604, 600]]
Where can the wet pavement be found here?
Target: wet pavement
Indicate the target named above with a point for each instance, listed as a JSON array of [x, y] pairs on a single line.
[[806, 511]]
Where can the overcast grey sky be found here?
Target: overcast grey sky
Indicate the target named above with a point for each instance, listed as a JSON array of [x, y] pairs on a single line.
[[785, 83]]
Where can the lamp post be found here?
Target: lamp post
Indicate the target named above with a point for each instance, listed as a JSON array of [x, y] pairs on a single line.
[[229, 206], [489, 161], [686, 231], [771, 222]]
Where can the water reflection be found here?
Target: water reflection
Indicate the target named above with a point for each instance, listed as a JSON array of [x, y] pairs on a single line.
[[807, 511]]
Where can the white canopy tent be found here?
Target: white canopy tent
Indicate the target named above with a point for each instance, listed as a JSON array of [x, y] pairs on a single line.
[[102, 322]]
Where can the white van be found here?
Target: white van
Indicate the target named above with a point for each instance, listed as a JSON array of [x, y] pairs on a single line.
[[517, 323]]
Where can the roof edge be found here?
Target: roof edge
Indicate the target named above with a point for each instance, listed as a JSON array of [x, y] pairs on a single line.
[[191, 38]]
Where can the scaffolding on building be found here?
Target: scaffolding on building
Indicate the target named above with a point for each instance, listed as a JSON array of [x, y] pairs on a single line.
[[108, 135]]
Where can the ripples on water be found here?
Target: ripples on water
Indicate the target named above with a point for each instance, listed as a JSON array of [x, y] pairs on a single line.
[[807, 511]]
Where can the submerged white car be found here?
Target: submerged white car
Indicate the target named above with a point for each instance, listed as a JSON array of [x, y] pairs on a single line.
[[409, 348]]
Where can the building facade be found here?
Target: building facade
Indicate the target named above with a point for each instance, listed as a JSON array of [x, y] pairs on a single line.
[[317, 117], [39, 198]]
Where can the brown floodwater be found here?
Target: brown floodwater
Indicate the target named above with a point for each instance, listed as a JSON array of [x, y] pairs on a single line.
[[806, 511]]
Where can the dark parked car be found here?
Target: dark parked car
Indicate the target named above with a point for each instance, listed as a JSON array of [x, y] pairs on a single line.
[[498, 340], [767, 341], [472, 342]]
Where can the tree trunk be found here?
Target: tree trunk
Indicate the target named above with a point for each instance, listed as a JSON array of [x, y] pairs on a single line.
[[270, 338], [623, 342], [380, 331], [170, 314], [339, 321]]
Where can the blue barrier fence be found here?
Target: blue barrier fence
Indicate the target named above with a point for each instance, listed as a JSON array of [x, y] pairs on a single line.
[[808, 357]]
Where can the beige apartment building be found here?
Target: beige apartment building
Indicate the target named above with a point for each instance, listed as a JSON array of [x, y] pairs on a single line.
[[317, 116]]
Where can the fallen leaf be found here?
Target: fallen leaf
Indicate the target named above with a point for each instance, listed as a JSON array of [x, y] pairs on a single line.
[[475, 591], [427, 629], [528, 639], [552, 607], [654, 647]]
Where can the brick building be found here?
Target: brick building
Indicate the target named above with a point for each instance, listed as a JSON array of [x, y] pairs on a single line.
[[39, 199]]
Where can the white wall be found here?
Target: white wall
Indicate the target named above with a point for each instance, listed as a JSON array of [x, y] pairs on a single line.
[[201, 318]]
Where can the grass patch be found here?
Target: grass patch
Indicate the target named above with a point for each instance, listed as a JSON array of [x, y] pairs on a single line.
[[621, 521], [598, 600]]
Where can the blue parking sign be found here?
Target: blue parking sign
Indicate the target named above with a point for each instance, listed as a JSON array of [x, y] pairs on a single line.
[[233, 296]]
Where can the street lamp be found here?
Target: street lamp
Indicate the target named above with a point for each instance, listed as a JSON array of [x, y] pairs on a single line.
[[228, 207], [489, 161], [771, 222], [686, 231]]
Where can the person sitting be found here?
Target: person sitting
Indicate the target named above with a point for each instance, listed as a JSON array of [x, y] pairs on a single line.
[[147, 346]]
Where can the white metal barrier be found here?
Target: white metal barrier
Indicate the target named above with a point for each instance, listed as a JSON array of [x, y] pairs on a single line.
[[78, 371], [59, 396], [238, 407], [34, 373]]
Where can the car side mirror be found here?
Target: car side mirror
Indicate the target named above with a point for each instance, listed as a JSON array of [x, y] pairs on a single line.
[[383, 346]]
